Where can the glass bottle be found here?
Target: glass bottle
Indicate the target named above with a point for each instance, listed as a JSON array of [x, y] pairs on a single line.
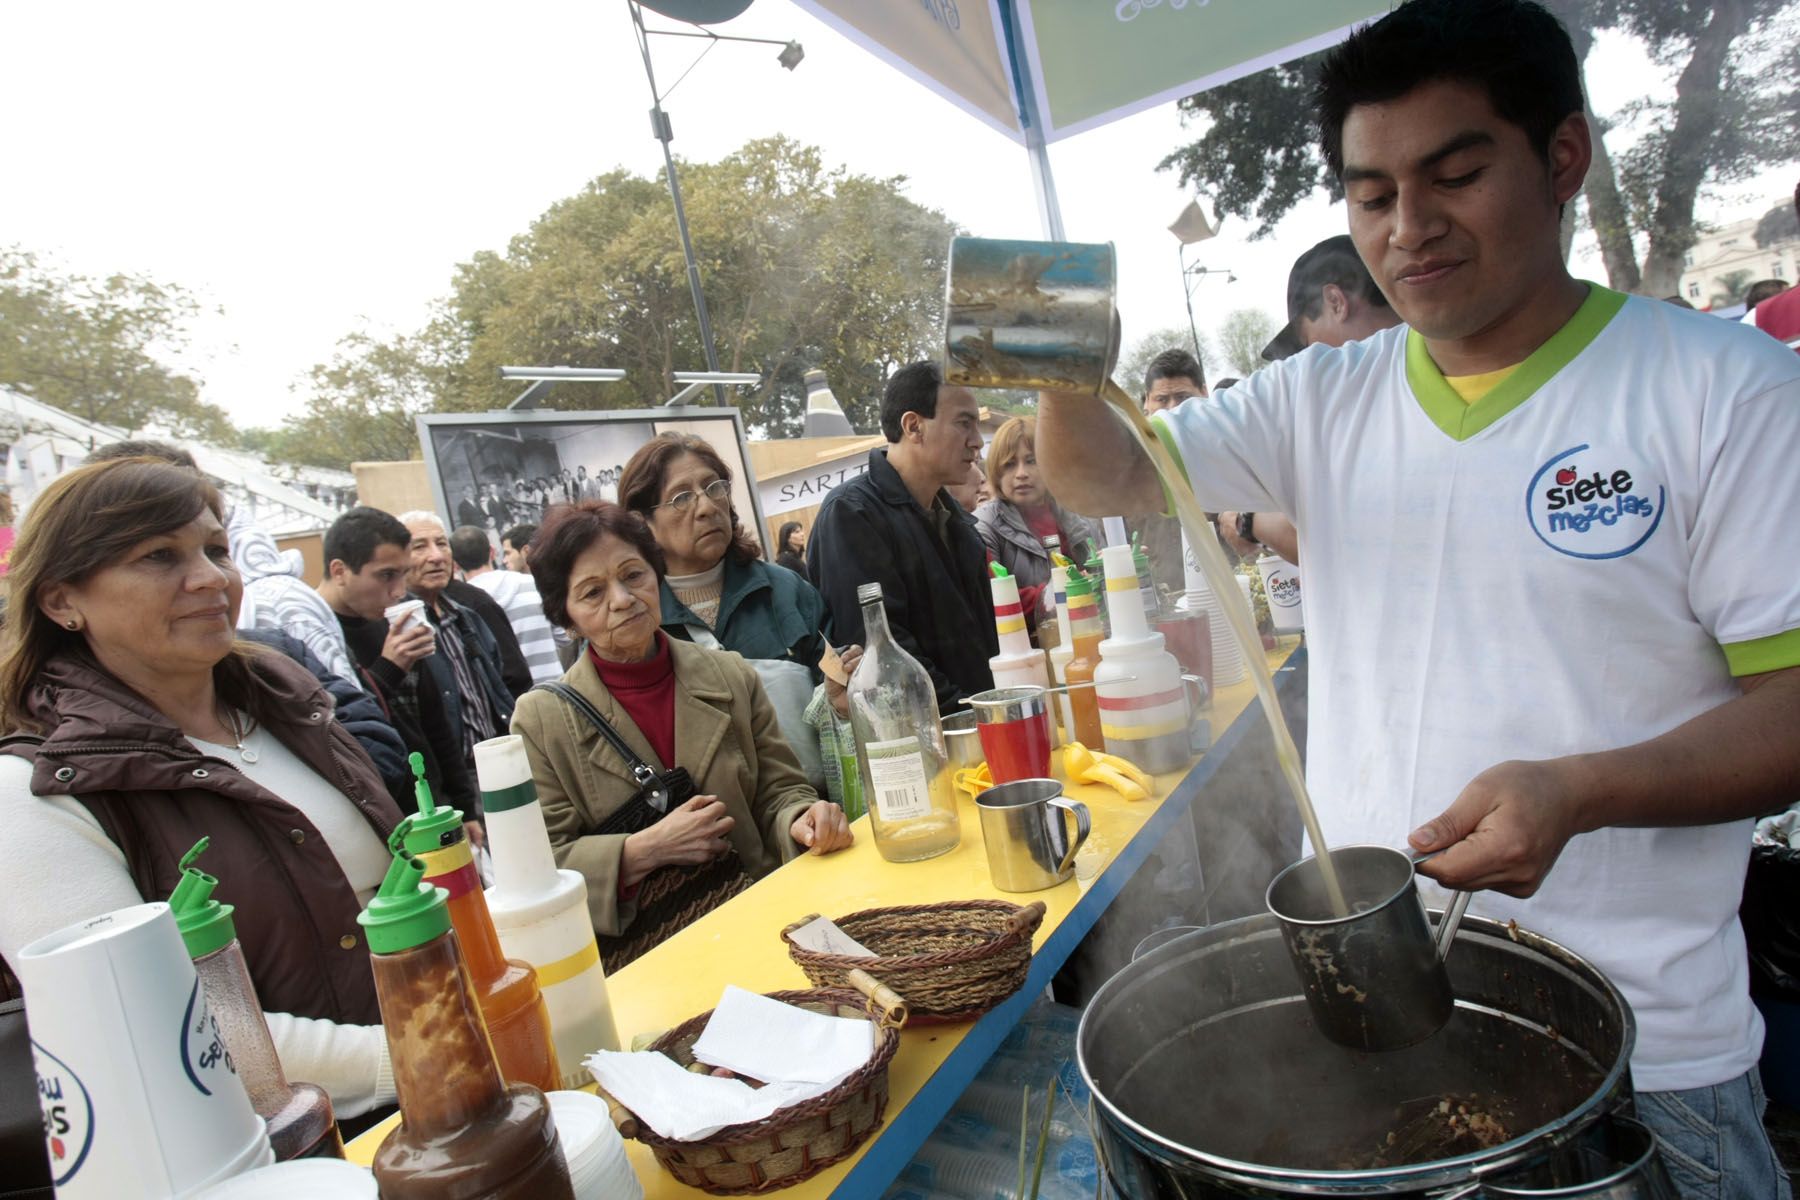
[[900, 744], [299, 1116], [1086, 631], [507, 988], [464, 1132]]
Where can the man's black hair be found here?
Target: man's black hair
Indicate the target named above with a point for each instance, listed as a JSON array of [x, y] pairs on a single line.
[[177, 456], [470, 549], [913, 388], [354, 537], [1174, 363], [1763, 289], [1513, 50], [519, 536]]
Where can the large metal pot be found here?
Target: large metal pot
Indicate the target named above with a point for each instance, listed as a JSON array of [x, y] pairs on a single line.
[[1209, 1079]]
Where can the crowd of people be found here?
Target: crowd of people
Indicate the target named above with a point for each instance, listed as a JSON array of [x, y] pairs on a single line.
[[167, 673]]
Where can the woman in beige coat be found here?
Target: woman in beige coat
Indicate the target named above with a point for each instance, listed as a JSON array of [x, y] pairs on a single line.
[[675, 705]]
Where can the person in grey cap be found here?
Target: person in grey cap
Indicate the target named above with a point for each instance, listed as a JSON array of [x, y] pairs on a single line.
[[1331, 299]]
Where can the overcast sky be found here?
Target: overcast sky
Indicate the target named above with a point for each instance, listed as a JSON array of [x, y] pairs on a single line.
[[315, 170]]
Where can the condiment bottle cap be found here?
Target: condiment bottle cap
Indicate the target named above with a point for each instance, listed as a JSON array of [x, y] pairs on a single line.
[[406, 911], [205, 924], [433, 828]]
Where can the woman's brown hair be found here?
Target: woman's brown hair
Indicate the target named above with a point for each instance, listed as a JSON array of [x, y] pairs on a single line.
[[82, 523], [1012, 439], [567, 531], [641, 485]]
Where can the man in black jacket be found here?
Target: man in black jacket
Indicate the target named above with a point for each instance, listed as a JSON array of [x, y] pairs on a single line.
[[366, 561], [896, 525]]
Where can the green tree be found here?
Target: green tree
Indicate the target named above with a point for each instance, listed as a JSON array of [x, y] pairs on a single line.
[[803, 266], [360, 406], [1241, 337], [1732, 108], [1731, 288], [98, 348]]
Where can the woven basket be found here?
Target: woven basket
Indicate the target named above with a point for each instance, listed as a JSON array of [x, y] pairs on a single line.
[[952, 961], [793, 1143]]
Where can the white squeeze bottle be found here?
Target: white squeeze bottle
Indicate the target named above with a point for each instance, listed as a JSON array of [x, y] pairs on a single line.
[[1143, 701], [1019, 663], [1063, 653], [540, 912]]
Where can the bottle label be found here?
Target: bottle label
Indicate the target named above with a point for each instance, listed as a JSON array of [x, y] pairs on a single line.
[[897, 771]]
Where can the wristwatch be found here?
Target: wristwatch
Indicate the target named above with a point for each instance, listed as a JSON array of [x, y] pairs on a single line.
[[1246, 527]]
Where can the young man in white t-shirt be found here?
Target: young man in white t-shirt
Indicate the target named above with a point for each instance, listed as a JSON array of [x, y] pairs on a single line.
[[1553, 578]]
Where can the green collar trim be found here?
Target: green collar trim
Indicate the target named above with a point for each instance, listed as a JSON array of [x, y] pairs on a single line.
[[1463, 421]]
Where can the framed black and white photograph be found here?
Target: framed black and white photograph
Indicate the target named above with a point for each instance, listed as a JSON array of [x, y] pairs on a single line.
[[497, 470]]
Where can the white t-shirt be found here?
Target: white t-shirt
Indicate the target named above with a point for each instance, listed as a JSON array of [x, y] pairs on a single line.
[[517, 593], [1546, 572]]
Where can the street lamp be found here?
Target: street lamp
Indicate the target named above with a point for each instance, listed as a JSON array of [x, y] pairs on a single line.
[[1191, 227], [789, 58]]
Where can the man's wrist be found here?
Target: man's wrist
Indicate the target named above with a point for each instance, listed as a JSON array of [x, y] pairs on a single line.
[[1246, 528], [1583, 784]]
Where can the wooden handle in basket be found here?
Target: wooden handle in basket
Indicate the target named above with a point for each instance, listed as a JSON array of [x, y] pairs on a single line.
[[806, 920], [1026, 917], [893, 1008], [623, 1119]]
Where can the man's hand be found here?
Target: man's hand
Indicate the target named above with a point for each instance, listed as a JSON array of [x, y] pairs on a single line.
[[835, 692], [822, 828], [1229, 534], [1506, 829], [690, 836], [404, 647]]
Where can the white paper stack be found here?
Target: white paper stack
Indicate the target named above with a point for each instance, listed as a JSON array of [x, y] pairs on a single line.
[[796, 1054]]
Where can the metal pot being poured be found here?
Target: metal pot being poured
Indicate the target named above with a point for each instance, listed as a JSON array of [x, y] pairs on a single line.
[[1210, 1080]]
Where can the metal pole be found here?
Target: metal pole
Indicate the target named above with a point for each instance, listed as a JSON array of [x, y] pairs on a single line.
[[1037, 150], [1187, 290], [659, 123]]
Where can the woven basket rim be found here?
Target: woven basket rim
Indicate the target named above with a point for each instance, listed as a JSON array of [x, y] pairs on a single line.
[[887, 1043], [1003, 939]]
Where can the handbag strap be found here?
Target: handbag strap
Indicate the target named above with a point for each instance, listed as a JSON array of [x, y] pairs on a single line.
[[641, 772]]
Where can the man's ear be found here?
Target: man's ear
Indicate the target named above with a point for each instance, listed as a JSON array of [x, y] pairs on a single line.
[[1336, 303], [911, 423], [1571, 153]]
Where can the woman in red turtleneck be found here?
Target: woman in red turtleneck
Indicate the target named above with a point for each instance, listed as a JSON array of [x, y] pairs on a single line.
[[676, 704]]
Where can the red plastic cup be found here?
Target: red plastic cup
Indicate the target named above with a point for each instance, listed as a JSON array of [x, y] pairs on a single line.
[[1014, 725]]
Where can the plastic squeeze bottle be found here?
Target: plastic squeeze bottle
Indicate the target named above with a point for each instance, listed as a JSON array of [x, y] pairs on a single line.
[[1062, 652], [1085, 633], [511, 1004], [299, 1117], [540, 912], [1019, 663], [1143, 700], [464, 1132]]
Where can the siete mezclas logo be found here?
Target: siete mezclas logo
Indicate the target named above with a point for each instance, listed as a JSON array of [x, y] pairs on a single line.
[[1597, 506]]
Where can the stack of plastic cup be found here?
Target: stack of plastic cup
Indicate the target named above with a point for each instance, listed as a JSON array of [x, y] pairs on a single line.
[[301, 1179], [1227, 659], [598, 1167], [139, 1096]]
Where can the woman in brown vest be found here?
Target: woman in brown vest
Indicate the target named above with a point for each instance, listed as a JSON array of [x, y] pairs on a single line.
[[719, 800], [139, 724]]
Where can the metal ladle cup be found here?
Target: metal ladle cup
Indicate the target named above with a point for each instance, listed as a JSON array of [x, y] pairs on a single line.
[[1375, 979], [1036, 315], [1615, 1158]]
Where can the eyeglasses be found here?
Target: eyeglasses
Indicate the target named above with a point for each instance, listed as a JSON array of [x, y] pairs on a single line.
[[717, 491]]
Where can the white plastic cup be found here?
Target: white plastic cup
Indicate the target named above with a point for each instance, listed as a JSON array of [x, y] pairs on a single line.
[[301, 1179], [1281, 585], [402, 614], [139, 1095], [598, 1166]]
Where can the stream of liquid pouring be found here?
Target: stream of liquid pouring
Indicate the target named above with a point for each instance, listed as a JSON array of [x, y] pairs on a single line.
[[1224, 585]]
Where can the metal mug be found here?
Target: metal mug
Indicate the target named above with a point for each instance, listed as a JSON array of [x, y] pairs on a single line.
[[1375, 979], [1026, 829], [1615, 1158], [962, 744], [1036, 315]]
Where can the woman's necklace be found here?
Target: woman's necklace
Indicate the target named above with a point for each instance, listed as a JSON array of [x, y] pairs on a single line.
[[241, 736]]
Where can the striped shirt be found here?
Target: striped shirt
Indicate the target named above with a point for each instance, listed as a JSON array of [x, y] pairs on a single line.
[[517, 593]]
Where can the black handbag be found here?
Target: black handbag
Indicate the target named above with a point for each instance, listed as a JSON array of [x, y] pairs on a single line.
[[671, 897], [24, 1162]]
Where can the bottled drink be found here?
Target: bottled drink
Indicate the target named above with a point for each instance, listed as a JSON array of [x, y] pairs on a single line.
[[1085, 631], [900, 742], [464, 1132], [1061, 650], [507, 988], [299, 1116]]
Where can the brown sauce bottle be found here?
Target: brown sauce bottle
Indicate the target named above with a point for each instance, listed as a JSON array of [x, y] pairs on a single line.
[[464, 1132]]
